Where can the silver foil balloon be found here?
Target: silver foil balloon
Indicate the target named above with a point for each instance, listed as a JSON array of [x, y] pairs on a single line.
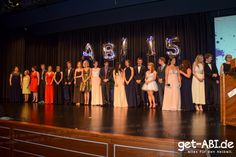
[[108, 51], [172, 48], [88, 52], [151, 46], [124, 47]]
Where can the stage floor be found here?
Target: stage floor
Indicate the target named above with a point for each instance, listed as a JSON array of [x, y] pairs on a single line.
[[178, 125]]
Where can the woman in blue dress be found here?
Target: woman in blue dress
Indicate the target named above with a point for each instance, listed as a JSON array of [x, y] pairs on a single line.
[[129, 84], [186, 92], [15, 85]]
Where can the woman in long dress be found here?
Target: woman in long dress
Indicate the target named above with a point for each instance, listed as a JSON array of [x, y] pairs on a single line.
[[150, 85], [15, 84], [58, 86], [120, 99], [96, 91], [49, 92], [78, 95], [86, 84], [25, 86], [186, 82], [172, 98], [226, 67], [129, 84], [198, 84], [34, 83]]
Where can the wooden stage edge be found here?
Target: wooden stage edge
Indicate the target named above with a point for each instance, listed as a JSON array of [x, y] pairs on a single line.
[[22, 139]]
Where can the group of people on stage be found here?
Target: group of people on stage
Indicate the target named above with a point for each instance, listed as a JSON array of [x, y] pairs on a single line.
[[172, 87]]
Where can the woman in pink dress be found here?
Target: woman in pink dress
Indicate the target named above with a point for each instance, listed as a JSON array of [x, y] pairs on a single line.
[[150, 85], [49, 93], [96, 90], [172, 99]]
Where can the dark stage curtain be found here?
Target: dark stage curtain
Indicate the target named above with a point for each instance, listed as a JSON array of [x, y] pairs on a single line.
[[195, 32]]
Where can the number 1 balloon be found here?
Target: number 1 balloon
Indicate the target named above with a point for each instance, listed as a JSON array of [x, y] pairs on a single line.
[[151, 46], [124, 48]]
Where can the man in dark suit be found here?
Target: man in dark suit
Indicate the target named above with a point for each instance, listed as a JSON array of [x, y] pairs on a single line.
[[139, 77], [161, 78], [211, 83], [42, 84], [106, 77], [68, 83]]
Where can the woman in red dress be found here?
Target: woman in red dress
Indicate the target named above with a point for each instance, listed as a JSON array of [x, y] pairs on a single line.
[[34, 83], [49, 93]]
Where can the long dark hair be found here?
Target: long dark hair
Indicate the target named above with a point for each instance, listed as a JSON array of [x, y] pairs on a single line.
[[185, 65], [117, 68]]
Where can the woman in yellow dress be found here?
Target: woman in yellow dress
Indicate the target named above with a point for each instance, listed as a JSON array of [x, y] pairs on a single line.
[[26, 86]]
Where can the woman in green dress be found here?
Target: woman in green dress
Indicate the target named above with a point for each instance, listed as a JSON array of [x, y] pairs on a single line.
[[86, 84]]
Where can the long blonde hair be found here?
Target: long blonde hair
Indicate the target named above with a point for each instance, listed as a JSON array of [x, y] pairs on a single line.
[[197, 60]]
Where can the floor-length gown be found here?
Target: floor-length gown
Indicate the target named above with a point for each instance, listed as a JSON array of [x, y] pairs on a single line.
[[198, 88], [172, 98], [16, 88], [119, 91], [49, 93], [34, 82], [130, 88], [96, 90], [58, 89], [78, 95], [186, 94]]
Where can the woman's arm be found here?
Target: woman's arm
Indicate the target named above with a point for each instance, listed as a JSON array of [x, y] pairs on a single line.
[[188, 74], [38, 77], [53, 78], [132, 75], [46, 79], [75, 76], [114, 76], [155, 76], [166, 74], [61, 77], [222, 69], [179, 77], [10, 80], [83, 76], [21, 80]]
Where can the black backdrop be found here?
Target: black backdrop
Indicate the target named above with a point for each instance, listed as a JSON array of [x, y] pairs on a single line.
[[26, 49]]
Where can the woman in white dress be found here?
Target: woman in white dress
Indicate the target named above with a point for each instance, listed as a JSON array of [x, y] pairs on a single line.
[[150, 85], [198, 84], [172, 98], [96, 90], [120, 99]]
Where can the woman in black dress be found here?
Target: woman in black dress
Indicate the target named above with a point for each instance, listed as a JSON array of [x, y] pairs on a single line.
[[58, 86], [129, 84], [186, 92], [15, 85], [78, 96], [226, 67]]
